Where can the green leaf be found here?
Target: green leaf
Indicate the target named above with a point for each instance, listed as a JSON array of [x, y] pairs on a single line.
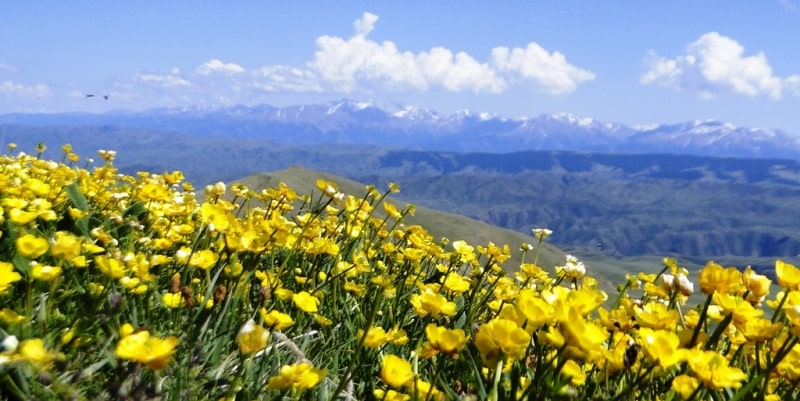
[[76, 197], [135, 210], [747, 389], [22, 264]]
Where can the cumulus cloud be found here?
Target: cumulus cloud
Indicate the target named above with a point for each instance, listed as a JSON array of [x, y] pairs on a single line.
[[459, 72], [714, 65], [346, 65], [361, 64], [534, 64]]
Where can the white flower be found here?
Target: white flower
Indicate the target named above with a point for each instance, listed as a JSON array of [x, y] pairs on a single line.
[[574, 267], [9, 344], [683, 284], [541, 233]]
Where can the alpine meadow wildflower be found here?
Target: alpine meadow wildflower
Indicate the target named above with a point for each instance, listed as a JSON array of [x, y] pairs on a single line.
[[138, 286]]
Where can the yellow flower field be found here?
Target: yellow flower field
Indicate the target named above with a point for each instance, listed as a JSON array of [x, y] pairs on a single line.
[[129, 287]]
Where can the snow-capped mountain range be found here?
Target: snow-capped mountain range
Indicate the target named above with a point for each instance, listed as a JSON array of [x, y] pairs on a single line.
[[396, 126]]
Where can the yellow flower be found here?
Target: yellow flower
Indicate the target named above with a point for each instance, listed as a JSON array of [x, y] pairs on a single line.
[[661, 346], [31, 246], [324, 245], [252, 338], [10, 316], [431, 303], [276, 320], [714, 277], [684, 385], [536, 310], [7, 276], [375, 338], [757, 284], [757, 330], [712, 369], [551, 337], [426, 391], [501, 337], [616, 320], [392, 210], [126, 329], [141, 347], [329, 188], [299, 376], [34, 351], [110, 266], [356, 289], [788, 275], [45, 272], [793, 315], [21, 217], [456, 283], [215, 216], [322, 320], [742, 310], [656, 315], [390, 395], [398, 336], [66, 246], [583, 338], [306, 302], [173, 300], [204, 259], [574, 371], [465, 252], [445, 340], [395, 371], [529, 271]]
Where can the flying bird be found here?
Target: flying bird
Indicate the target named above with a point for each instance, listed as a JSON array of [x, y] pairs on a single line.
[[106, 97], [90, 95]]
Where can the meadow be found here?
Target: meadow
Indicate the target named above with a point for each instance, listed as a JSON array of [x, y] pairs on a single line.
[[138, 287]]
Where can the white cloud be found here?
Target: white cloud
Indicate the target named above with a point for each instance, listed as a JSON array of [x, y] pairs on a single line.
[[713, 65], [347, 65], [20, 90], [793, 84], [360, 64], [217, 66], [171, 80], [284, 78], [536, 66], [458, 73], [366, 24]]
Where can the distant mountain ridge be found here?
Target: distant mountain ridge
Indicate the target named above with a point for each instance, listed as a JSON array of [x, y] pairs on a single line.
[[396, 126]]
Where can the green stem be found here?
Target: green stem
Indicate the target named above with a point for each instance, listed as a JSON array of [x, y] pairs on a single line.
[[498, 371], [359, 347], [699, 326]]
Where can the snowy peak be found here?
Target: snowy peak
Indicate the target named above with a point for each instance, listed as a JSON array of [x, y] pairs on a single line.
[[394, 125]]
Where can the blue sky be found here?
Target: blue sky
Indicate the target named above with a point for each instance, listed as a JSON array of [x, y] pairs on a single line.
[[631, 62]]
